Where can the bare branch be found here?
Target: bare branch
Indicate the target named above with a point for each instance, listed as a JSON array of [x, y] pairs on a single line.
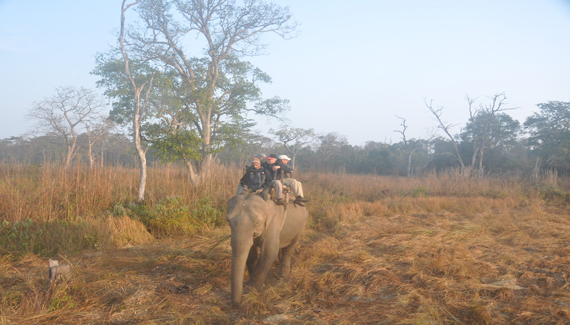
[[445, 127]]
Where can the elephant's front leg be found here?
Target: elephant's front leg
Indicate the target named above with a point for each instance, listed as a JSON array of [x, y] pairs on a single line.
[[268, 255], [251, 259]]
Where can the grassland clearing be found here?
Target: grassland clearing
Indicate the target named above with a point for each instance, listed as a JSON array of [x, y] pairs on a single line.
[[432, 250]]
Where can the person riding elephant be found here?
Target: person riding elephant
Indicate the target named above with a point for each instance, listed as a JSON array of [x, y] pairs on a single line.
[[270, 163], [279, 169], [262, 159], [259, 180]]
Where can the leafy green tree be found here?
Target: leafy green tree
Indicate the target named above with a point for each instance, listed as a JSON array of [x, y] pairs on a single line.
[[218, 85], [331, 145], [333, 152], [496, 133], [37, 151], [486, 125], [378, 159], [170, 115], [549, 131], [443, 157], [110, 68], [501, 133]]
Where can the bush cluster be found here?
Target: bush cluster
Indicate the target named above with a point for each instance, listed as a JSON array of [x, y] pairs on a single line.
[[170, 217]]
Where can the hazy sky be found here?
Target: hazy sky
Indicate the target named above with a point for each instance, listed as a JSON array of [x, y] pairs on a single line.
[[355, 66]]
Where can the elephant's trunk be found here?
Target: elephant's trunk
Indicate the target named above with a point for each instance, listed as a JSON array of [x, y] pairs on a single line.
[[241, 243]]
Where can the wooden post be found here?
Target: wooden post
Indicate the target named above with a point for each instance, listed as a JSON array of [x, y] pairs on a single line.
[[56, 271]]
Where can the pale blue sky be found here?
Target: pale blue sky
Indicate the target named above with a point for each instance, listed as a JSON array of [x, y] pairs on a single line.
[[355, 66]]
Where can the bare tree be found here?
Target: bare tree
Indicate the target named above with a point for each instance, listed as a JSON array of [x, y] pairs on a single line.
[[409, 150], [65, 113], [403, 131], [437, 112], [138, 89], [472, 113], [294, 139], [96, 132]]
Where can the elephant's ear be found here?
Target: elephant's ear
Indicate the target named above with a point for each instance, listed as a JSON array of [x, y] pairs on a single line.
[[276, 215], [262, 221], [270, 217]]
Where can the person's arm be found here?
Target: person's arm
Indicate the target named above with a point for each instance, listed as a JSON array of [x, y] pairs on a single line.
[[244, 181], [286, 169]]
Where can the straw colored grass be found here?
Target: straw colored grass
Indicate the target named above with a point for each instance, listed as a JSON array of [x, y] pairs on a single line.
[[378, 250]]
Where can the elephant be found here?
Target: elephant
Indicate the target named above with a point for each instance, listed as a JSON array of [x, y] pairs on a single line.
[[274, 229]]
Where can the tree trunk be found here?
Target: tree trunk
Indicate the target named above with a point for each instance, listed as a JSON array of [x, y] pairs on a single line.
[[206, 139], [474, 158], [192, 176], [536, 170], [293, 162], [68, 158], [410, 164], [459, 156], [90, 150], [142, 181], [141, 153], [91, 158], [70, 153], [481, 164]]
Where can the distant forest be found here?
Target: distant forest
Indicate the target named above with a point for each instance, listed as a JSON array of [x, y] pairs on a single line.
[[491, 142]]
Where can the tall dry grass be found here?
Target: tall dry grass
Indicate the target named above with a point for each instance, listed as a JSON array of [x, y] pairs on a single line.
[[44, 193], [49, 209]]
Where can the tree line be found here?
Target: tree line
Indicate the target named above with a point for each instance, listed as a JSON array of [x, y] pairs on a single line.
[[489, 143]]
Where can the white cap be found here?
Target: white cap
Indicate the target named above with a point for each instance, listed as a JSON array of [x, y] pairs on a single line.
[[284, 157]]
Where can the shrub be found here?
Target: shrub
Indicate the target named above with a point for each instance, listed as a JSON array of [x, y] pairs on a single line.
[[207, 215], [419, 192], [170, 217], [552, 194], [21, 237]]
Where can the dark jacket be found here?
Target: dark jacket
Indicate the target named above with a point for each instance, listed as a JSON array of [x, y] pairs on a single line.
[[278, 174], [256, 179], [269, 168], [283, 172]]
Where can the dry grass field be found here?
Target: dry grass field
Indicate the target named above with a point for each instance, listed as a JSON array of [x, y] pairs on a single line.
[[377, 250]]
